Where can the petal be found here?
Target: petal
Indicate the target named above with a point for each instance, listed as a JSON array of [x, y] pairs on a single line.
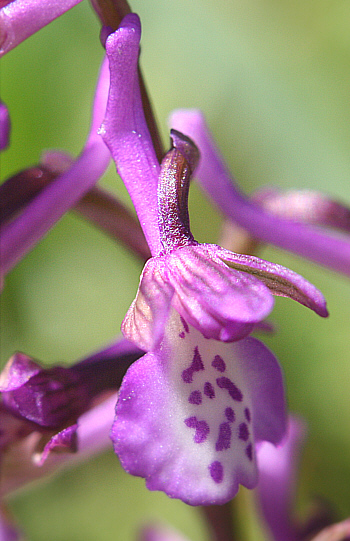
[[307, 206], [20, 19], [336, 532], [277, 480], [8, 531], [125, 131], [281, 281], [57, 396], [187, 418], [18, 370], [46, 209], [157, 532], [325, 248], [144, 322], [223, 304], [49, 398], [18, 467], [17, 191], [64, 442], [5, 126]]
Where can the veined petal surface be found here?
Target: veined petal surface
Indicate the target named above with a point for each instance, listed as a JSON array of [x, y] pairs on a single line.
[[280, 280], [144, 322], [222, 303]]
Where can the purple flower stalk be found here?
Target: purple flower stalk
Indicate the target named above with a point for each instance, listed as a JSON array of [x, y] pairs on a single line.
[[323, 247], [190, 411]]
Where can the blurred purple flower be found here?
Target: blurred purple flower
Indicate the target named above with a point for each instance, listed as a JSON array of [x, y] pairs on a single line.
[[322, 246], [276, 492], [278, 467], [190, 411], [8, 531], [4, 126], [50, 402], [311, 207], [22, 233], [157, 532]]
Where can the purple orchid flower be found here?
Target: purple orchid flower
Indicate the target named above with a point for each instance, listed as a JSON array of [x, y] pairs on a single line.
[[189, 412], [21, 234], [278, 472], [8, 531], [276, 491], [19, 19], [50, 401], [321, 246], [157, 532], [20, 460], [311, 207]]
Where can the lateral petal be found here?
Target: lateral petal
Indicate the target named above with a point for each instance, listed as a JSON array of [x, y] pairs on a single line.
[[281, 281], [222, 303], [144, 322]]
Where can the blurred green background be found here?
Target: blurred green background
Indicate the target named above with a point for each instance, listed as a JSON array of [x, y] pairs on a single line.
[[273, 78]]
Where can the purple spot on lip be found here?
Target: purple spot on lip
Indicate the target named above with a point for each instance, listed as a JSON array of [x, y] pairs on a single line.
[[182, 334], [219, 363], [224, 439], [195, 398], [196, 366], [234, 392], [230, 414], [209, 390], [249, 452], [243, 432], [247, 414], [202, 429], [185, 325], [216, 471]]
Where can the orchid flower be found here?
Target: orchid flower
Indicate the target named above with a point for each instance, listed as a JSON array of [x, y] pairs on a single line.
[[278, 468], [41, 408], [8, 531], [324, 247], [189, 411], [157, 532], [278, 472]]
